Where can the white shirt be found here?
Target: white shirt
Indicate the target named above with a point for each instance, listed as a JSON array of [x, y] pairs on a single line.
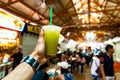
[[95, 65], [63, 46]]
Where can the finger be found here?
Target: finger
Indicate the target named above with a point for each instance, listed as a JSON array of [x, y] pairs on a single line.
[[43, 61], [41, 33]]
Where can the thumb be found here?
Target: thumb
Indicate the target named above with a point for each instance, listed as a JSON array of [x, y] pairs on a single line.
[[41, 36], [41, 33]]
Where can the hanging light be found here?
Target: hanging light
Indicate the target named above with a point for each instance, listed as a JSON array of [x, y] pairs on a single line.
[[41, 4], [90, 36]]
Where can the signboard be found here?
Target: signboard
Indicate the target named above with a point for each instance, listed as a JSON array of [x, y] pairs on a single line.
[[34, 29], [7, 20], [8, 34]]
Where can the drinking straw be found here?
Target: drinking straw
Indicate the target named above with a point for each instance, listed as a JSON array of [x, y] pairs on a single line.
[[50, 15]]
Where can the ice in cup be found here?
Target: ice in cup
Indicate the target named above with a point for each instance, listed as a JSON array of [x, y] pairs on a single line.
[[51, 38]]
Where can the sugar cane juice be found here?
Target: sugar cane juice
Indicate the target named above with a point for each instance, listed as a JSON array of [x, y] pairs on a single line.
[[51, 37]]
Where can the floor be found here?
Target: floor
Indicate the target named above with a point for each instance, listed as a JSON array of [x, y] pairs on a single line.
[[87, 75]]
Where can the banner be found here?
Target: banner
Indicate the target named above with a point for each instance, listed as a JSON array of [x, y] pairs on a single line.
[[7, 20], [34, 29]]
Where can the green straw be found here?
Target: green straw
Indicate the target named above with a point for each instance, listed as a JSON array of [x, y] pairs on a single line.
[[50, 15]]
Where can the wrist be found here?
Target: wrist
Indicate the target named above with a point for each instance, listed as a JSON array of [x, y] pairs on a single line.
[[32, 62], [35, 56]]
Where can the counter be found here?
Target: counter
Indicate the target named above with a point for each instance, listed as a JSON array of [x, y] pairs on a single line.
[[5, 69]]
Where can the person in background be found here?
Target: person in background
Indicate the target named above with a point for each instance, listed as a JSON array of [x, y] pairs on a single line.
[[106, 64], [75, 59], [89, 56], [66, 56], [24, 71], [95, 65], [63, 57], [82, 62], [17, 57], [70, 62], [65, 75]]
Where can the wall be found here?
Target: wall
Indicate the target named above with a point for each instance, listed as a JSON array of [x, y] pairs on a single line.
[[28, 43]]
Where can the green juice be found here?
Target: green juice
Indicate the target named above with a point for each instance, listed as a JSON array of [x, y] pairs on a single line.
[[51, 38]]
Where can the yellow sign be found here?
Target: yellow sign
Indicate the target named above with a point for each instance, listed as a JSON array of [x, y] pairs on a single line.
[[7, 20], [34, 29]]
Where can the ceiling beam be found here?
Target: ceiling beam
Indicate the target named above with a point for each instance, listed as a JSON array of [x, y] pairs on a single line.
[[82, 5], [89, 12], [64, 11], [105, 12], [34, 10], [109, 17], [21, 15], [29, 17], [112, 14], [66, 8], [9, 3], [57, 13], [45, 10], [101, 6], [113, 1], [91, 24], [92, 29], [75, 14], [114, 17]]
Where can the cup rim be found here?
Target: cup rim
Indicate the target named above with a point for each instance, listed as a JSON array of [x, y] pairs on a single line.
[[53, 27]]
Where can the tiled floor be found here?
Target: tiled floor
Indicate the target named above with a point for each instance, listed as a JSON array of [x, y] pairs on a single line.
[[87, 75]]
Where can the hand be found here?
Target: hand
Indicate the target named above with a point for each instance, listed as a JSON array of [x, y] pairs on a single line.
[[103, 78], [58, 68], [39, 50], [115, 78], [43, 61]]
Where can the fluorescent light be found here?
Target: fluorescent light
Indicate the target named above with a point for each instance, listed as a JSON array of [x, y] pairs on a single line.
[[32, 23]]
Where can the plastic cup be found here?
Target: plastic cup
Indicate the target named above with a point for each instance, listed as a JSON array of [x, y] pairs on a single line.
[[51, 38]]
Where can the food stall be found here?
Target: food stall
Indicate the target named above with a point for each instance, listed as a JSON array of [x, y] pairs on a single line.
[[10, 38]]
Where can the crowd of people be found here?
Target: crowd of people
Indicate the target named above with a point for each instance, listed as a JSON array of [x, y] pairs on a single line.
[[101, 64], [34, 66]]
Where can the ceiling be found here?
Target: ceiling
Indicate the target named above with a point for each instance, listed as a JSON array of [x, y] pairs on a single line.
[[74, 16]]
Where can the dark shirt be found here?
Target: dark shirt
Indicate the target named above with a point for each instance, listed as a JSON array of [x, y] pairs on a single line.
[[68, 76], [108, 64], [40, 75], [17, 57]]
